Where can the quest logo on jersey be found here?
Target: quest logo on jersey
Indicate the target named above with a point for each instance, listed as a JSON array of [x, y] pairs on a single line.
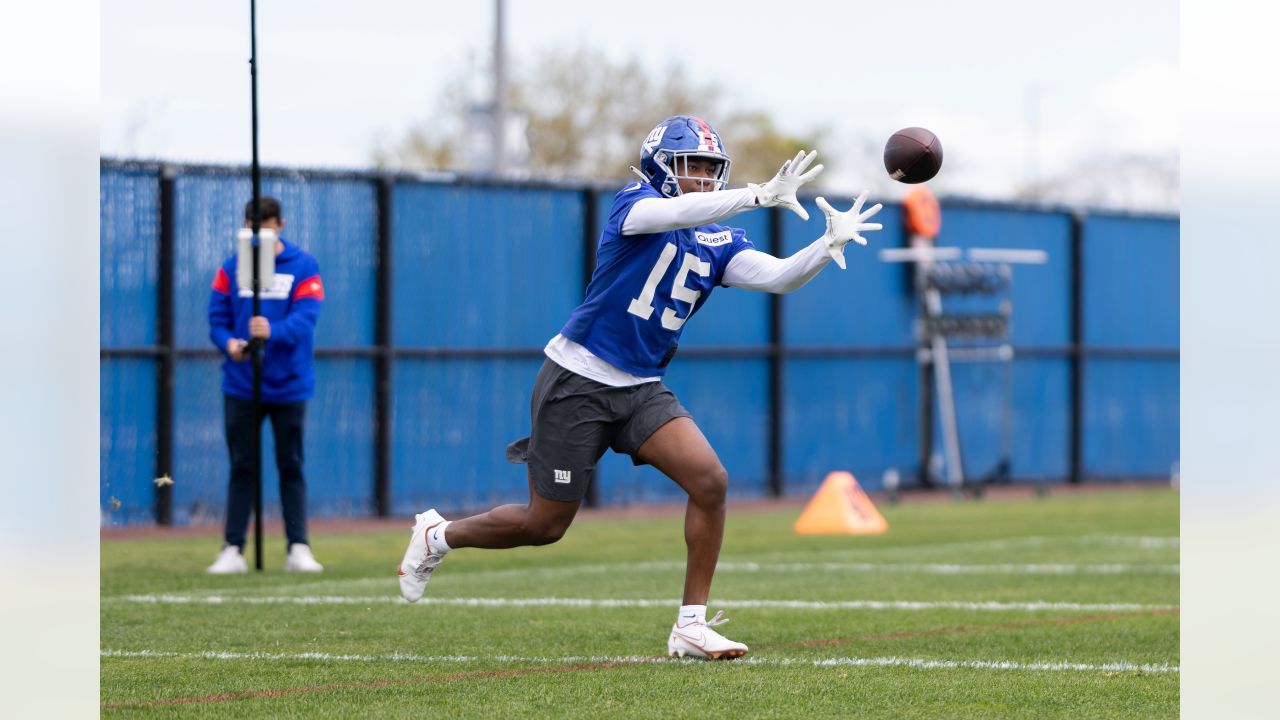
[[714, 239]]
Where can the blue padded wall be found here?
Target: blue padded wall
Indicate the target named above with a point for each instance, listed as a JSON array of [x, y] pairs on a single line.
[[453, 420], [1131, 302], [129, 213], [1131, 416], [853, 414], [484, 267], [1040, 416], [338, 439], [1131, 282], [200, 464], [129, 216], [127, 440]]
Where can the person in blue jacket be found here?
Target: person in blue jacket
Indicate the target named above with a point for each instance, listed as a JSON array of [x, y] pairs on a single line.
[[286, 327], [662, 253]]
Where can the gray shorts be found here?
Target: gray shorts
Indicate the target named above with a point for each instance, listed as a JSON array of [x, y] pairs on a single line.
[[575, 419]]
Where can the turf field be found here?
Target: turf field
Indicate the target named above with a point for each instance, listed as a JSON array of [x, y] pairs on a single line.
[[1060, 607]]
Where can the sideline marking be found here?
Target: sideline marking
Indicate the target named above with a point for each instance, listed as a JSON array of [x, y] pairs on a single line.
[[1031, 606]]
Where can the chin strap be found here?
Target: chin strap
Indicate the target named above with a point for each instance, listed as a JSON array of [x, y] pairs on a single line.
[[639, 174]]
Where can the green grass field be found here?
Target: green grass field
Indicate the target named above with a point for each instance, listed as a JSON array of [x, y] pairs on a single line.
[[1060, 607]]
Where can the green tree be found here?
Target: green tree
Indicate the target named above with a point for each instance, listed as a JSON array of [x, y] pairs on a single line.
[[586, 115]]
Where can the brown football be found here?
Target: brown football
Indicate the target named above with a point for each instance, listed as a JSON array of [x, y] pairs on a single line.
[[913, 155]]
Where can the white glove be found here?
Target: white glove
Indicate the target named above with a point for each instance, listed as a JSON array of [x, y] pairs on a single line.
[[845, 226], [781, 190]]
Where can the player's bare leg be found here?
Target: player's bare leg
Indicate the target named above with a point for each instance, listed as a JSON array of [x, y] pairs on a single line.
[[540, 522], [682, 453], [680, 450]]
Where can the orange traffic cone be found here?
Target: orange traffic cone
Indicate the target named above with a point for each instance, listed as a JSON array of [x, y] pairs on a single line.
[[840, 507]]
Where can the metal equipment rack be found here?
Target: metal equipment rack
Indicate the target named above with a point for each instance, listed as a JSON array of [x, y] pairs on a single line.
[[980, 281]]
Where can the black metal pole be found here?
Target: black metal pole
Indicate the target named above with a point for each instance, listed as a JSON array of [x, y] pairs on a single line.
[[777, 368], [257, 282], [165, 366], [383, 363], [1076, 439]]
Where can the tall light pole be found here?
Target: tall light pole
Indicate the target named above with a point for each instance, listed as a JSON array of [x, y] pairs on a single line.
[[499, 87]]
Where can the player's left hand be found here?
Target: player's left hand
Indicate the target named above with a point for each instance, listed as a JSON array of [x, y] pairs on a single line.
[[781, 190], [845, 226], [259, 327]]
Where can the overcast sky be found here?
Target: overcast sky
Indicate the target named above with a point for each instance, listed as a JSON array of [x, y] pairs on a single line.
[[1013, 88]]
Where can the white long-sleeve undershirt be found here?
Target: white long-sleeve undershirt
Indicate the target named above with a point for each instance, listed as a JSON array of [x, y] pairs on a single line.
[[749, 269], [755, 270], [653, 215]]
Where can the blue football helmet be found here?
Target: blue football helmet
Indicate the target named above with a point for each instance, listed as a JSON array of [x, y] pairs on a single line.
[[664, 154]]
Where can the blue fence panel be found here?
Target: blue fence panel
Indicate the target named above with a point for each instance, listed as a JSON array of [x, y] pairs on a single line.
[[869, 304], [129, 236], [1131, 416], [127, 440], [728, 398], [200, 464], [452, 422], [1041, 293], [338, 439], [1131, 282], [484, 267], [334, 220], [1039, 419], [853, 414]]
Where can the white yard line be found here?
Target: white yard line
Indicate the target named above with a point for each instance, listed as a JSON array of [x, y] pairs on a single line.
[[748, 567], [1032, 606], [916, 663], [782, 562]]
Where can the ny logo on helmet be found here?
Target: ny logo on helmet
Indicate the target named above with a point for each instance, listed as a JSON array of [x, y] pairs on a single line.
[[655, 137]]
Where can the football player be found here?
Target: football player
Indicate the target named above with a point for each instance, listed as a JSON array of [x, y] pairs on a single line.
[[661, 254]]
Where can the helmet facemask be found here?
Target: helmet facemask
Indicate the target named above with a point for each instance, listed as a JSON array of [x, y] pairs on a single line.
[[675, 165]]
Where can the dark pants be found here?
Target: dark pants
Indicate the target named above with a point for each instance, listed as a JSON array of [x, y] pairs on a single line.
[[286, 426]]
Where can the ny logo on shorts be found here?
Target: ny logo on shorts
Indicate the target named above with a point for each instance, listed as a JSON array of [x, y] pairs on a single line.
[[562, 476]]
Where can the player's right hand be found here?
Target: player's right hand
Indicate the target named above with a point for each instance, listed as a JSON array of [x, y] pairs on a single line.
[[237, 350], [843, 227], [781, 190]]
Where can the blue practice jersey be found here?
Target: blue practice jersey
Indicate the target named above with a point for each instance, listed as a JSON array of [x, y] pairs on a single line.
[[645, 287]]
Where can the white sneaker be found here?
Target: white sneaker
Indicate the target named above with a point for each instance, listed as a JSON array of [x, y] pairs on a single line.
[[699, 640], [229, 561], [420, 559], [301, 560]]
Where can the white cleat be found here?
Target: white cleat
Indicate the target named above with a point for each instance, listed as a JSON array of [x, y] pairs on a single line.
[[229, 562], [419, 559], [697, 639], [301, 560]]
